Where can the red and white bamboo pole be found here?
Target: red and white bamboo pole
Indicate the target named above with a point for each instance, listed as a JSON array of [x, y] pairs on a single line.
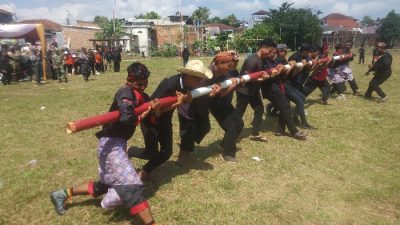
[[311, 62], [166, 102], [109, 117]]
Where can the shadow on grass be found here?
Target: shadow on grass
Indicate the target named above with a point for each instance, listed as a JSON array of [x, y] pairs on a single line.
[[269, 124]]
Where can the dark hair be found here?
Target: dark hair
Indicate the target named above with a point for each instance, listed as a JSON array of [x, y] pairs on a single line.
[[305, 47], [266, 42], [338, 46], [137, 71], [315, 48]]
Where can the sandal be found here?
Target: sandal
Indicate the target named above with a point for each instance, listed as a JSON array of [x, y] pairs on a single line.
[[258, 138]]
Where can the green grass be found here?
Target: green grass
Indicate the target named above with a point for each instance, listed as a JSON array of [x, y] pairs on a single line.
[[347, 172]]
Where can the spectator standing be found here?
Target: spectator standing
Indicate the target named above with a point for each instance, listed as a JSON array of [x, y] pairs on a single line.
[[185, 56]]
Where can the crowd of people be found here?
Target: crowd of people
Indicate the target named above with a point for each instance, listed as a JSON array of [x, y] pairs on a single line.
[[283, 80], [25, 62]]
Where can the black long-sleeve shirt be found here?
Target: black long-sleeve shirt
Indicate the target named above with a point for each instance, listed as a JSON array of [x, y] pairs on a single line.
[[383, 66], [125, 101], [252, 64]]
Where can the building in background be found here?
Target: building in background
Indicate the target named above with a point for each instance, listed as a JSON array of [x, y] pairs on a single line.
[[145, 34], [6, 17], [80, 35], [52, 30]]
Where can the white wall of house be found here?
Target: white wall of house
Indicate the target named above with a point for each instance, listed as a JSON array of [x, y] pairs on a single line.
[[142, 34]]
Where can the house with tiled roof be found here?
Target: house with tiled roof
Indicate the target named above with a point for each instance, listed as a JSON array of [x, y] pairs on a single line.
[[257, 17], [339, 28], [337, 21]]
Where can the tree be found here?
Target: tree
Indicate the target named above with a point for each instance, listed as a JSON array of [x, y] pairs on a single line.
[[201, 13], [295, 26], [107, 28], [367, 21], [250, 37], [389, 30], [215, 19], [148, 15], [231, 20]]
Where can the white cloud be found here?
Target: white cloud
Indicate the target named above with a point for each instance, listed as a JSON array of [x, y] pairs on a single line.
[[88, 9]]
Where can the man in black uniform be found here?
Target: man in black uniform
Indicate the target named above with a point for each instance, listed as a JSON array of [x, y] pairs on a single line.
[[158, 134], [250, 93], [274, 90], [382, 70], [223, 67]]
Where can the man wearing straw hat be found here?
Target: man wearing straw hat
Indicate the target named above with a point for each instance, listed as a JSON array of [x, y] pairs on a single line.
[[158, 133], [220, 105]]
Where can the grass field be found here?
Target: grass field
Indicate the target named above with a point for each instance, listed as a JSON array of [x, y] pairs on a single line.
[[347, 172]]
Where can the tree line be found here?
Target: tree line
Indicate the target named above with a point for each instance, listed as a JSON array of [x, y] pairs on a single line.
[[285, 24]]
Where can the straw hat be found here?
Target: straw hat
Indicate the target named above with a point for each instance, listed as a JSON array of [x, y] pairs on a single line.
[[196, 68]]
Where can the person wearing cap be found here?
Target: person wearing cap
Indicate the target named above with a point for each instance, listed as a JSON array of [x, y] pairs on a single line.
[[219, 103], [382, 69], [158, 133], [118, 178], [249, 94]]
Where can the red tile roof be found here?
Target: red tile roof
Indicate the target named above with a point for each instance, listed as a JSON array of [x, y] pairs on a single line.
[[260, 12], [339, 20], [48, 24]]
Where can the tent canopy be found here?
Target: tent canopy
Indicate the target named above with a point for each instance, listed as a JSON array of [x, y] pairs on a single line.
[[31, 32]]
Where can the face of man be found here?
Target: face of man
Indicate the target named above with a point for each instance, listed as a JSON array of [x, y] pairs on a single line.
[[191, 82], [380, 47], [224, 67], [314, 55], [140, 85], [282, 53], [267, 52]]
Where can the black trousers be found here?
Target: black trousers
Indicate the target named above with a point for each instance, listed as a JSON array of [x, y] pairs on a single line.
[[230, 122], [338, 88], [279, 98], [117, 65], [298, 99], [374, 86], [353, 84], [256, 104], [157, 140], [361, 59], [192, 130], [312, 84], [6, 79], [85, 70]]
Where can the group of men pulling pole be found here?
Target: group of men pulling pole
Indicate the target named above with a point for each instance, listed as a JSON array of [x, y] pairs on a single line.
[[281, 81]]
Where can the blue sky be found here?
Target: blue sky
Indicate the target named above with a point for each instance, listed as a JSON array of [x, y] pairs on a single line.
[[86, 10]]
